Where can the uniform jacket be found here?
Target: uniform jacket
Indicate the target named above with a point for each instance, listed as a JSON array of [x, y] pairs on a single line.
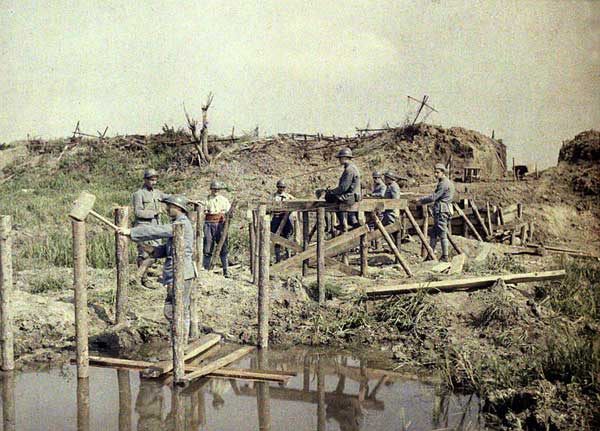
[[147, 232], [392, 191], [441, 198], [217, 205], [349, 184], [379, 190], [146, 205]]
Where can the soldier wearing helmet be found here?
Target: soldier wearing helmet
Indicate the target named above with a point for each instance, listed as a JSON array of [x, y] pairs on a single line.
[[288, 229], [392, 191], [146, 208], [216, 208], [441, 208], [177, 211], [348, 190], [378, 185]]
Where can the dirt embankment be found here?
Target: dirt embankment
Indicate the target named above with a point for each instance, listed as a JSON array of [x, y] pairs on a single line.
[[579, 163]]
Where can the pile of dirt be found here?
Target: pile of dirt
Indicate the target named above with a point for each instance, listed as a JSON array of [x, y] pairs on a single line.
[[578, 162]]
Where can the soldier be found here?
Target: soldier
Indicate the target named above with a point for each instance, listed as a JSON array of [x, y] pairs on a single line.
[[146, 207], [378, 185], [348, 189], [216, 208], [392, 191], [288, 229], [177, 211], [441, 209]]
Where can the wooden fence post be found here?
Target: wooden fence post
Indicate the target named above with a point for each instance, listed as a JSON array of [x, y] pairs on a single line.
[[305, 238], [364, 248], [80, 288], [256, 227], [321, 254], [6, 288], [178, 336], [122, 259], [425, 210], [263, 277]]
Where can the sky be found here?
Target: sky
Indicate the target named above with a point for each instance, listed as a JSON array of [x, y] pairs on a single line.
[[529, 70]]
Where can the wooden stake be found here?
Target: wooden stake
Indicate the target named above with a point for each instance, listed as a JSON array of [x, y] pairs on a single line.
[[124, 400], [519, 210], [256, 226], [305, 239], [425, 228], [416, 227], [489, 218], [80, 288], [321, 254], [122, 259], [468, 222], [178, 335], [479, 219], [252, 240], [263, 278], [6, 289], [524, 234], [344, 230], [390, 242], [364, 248]]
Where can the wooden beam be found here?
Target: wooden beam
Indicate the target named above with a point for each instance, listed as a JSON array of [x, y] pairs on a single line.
[[215, 365], [466, 283], [321, 254], [366, 205], [391, 243], [420, 234], [197, 347], [479, 219]]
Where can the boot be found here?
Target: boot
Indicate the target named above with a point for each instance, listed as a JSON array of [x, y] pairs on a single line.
[[445, 247], [225, 265]]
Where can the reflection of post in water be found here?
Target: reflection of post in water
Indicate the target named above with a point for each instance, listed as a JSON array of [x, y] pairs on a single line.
[[8, 401], [83, 404], [263, 398], [321, 413], [306, 373], [124, 400], [149, 405], [177, 408]]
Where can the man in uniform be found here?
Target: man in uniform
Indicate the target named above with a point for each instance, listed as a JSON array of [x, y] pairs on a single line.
[[146, 208], [216, 208], [441, 209], [378, 185], [348, 190], [392, 191], [288, 229], [177, 211]]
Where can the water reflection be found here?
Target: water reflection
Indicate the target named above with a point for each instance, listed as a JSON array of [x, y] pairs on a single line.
[[330, 392]]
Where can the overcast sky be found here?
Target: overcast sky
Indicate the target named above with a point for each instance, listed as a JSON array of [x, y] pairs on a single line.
[[528, 70]]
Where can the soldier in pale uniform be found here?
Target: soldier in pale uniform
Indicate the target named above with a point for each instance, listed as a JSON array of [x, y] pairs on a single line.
[[288, 229], [216, 208]]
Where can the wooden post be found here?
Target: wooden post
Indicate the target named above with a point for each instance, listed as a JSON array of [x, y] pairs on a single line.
[[252, 246], [479, 219], [122, 258], [531, 230], [263, 278], [426, 227], [465, 231], [8, 401], [83, 403], [177, 409], [263, 398], [198, 251], [524, 233], [80, 288], [256, 226], [500, 216], [178, 335], [6, 288], [468, 222], [514, 173], [305, 238], [391, 243], [519, 210], [124, 400], [364, 248], [489, 218], [416, 227], [321, 254], [199, 239]]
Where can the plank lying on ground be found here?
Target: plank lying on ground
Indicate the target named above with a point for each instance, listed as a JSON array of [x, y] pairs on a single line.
[[120, 363], [215, 365], [193, 350], [466, 283]]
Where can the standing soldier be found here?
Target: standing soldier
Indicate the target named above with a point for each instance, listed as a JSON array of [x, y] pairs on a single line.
[[392, 191], [177, 210], [288, 229], [348, 189], [378, 185], [441, 209], [216, 208]]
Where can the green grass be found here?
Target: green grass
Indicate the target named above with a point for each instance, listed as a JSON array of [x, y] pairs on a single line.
[[49, 282]]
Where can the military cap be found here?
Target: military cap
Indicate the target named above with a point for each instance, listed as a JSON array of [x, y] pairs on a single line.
[[345, 152], [377, 174], [177, 200], [440, 167], [281, 184], [150, 173]]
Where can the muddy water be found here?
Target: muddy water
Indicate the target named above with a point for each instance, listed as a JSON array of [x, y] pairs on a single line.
[[329, 392]]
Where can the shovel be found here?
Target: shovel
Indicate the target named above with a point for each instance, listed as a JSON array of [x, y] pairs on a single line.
[[83, 206]]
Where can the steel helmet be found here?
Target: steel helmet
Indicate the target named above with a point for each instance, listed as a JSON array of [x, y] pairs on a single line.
[[390, 174], [216, 185], [281, 184], [179, 201], [345, 152], [377, 174], [150, 173], [440, 167]]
